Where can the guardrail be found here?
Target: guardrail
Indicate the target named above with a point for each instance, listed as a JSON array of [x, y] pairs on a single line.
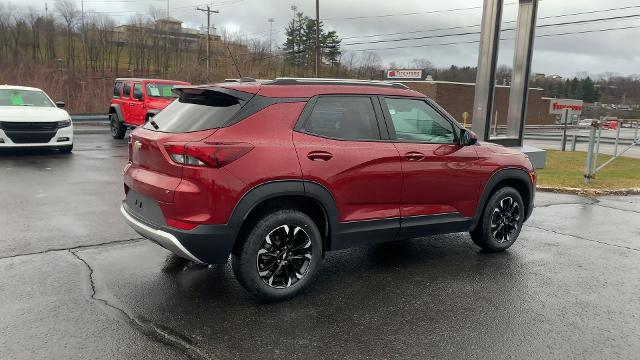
[[89, 117]]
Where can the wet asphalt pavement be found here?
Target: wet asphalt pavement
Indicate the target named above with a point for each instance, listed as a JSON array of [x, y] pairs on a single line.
[[78, 283]]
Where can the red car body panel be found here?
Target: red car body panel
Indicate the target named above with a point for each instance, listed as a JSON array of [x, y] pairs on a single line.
[[365, 178], [446, 180]]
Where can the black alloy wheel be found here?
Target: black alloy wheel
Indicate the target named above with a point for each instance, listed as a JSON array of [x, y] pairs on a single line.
[[284, 256], [501, 221], [279, 254], [505, 220]]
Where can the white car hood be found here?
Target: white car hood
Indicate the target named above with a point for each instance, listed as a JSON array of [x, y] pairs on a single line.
[[32, 114]]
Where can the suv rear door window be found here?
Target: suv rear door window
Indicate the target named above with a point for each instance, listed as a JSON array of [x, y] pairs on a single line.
[[195, 112], [415, 120], [344, 117]]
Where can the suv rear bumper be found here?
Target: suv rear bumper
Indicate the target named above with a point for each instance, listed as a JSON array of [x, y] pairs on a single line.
[[205, 244]]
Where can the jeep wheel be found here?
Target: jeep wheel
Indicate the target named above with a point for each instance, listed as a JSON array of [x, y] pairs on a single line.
[[280, 255], [501, 221], [117, 127]]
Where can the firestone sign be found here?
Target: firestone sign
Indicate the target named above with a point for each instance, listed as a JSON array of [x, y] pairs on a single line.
[[404, 74], [558, 106]]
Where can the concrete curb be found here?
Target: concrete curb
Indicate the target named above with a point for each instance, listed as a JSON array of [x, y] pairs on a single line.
[[589, 192]]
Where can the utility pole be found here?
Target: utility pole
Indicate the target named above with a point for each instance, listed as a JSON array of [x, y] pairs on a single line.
[[270, 20], [317, 38], [208, 11]]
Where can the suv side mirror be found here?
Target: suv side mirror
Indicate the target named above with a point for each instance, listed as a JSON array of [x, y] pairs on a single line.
[[60, 104], [468, 137], [137, 95]]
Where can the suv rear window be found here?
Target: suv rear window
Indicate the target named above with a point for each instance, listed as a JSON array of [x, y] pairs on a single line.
[[195, 112]]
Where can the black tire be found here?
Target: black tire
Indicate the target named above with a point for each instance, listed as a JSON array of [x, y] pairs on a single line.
[[117, 127], [66, 149], [501, 221], [264, 248]]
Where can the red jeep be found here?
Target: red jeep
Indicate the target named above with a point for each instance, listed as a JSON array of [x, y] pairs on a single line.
[[135, 101]]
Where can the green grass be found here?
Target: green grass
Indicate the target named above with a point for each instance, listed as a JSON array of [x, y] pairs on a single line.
[[566, 169]]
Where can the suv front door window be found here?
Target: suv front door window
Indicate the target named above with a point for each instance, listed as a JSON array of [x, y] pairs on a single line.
[[438, 176]]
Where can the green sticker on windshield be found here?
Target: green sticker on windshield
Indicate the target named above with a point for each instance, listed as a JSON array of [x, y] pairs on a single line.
[[16, 100], [166, 91]]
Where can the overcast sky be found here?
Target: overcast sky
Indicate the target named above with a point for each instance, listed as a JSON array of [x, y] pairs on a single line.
[[611, 51]]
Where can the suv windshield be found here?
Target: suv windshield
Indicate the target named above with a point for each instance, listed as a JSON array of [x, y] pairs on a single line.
[[160, 90], [195, 112], [11, 97]]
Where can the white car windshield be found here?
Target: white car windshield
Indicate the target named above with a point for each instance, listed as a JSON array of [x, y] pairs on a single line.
[[14, 97]]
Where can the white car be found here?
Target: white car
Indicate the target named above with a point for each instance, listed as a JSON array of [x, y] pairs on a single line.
[[29, 118], [585, 122]]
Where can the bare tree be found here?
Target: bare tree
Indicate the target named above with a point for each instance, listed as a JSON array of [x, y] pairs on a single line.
[[69, 13]]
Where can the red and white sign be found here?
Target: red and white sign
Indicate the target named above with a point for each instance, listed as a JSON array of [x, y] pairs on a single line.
[[558, 106], [404, 74]]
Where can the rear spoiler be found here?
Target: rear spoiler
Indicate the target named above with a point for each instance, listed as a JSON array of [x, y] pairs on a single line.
[[186, 90]]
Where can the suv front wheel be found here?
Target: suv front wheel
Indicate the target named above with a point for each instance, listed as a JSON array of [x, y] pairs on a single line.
[[280, 255], [501, 221]]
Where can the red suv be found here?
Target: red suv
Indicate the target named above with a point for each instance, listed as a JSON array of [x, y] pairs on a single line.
[[135, 101], [277, 173]]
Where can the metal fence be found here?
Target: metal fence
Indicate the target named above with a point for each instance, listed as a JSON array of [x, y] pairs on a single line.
[[595, 138]]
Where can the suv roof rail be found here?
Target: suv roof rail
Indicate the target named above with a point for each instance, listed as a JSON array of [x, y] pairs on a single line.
[[242, 79], [329, 81]]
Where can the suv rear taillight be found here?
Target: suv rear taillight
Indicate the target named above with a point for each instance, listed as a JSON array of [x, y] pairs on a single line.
[[214, 155]]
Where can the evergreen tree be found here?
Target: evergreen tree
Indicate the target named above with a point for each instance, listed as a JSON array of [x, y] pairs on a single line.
[[589, 91], [300, 44]]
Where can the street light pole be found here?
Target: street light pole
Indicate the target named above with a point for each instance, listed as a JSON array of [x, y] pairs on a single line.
[[270, 20]]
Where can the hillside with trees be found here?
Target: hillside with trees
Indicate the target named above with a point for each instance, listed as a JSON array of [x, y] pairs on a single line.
[[76, 59]]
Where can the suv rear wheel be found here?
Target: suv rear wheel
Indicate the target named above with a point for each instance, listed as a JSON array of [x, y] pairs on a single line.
[[501, 221], [280, 255], [117, 127]]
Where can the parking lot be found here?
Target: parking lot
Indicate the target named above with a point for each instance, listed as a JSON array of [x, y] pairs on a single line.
[[78, 283]]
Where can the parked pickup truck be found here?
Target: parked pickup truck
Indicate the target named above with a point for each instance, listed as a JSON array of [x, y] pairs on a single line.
[[136, 100]]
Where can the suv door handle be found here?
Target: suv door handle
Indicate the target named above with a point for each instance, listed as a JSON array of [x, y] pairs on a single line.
[[414, 156], [320, 155], [131, 104]]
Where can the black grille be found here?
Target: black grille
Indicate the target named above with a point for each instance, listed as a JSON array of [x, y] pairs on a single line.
[[30, 137], [28, 126]]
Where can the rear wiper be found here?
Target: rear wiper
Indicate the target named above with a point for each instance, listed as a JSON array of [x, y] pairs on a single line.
[[154, 124]]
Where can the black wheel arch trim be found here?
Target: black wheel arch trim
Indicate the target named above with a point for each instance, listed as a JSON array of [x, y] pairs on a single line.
[[491, 185], [116, 109], [279, 188]]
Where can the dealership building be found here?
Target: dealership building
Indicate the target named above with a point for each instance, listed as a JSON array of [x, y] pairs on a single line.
[[457, 98]]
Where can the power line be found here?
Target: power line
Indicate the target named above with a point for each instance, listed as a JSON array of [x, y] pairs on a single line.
[[410, 13], [506, 22], [622, 17], [502, 39]]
